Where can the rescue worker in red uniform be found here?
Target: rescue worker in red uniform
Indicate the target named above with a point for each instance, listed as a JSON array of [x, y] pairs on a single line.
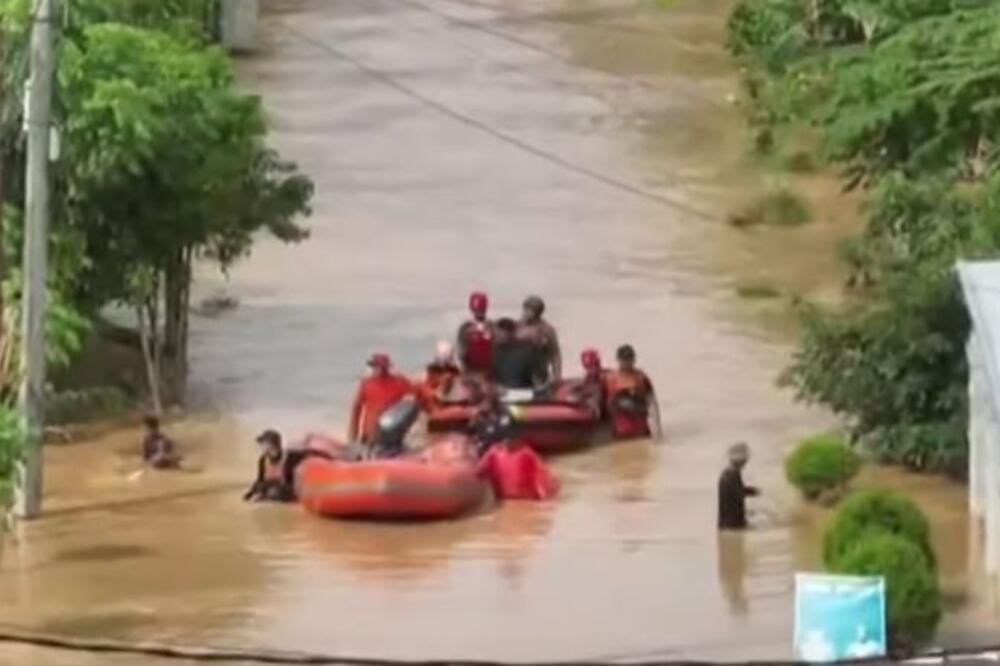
[[631, 399], [440, 376], [536, 330], [591, 390], [377, 392], [475, 337], [516, 472], [272, 483]]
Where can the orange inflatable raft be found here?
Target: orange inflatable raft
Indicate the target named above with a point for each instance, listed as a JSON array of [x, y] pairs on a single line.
[[440, 482], [548, 426]]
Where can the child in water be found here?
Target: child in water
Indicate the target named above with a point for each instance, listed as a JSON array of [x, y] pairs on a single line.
[[158, 450]]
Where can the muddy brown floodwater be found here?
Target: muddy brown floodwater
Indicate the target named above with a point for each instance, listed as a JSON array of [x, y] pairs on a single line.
[[583, 151]]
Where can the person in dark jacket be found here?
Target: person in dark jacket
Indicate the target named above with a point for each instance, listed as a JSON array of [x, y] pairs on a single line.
[[516, 362], [733, 492], [493, 421]]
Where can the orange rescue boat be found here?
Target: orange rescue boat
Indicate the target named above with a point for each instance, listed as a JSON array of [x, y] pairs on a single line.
[[439, 482]]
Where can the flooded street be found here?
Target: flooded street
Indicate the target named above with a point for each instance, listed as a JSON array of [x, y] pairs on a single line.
[[580, 150]]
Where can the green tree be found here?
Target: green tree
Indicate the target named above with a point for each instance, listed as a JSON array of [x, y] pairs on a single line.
[[165, 162]]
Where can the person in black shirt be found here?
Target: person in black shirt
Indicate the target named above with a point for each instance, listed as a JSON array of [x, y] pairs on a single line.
[[733, 492], [516, 362]]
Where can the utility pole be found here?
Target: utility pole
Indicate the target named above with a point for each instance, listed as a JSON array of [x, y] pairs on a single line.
[[38, 121]]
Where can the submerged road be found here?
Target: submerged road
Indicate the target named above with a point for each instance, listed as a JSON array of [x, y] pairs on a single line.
[[566, 149]]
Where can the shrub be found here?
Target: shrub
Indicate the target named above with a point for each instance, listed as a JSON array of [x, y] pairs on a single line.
[[777, 208], [820, 465], [874, 512], [913, 599], [10, 450]]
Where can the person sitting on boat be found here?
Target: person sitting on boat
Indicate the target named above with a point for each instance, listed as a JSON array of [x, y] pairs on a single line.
[[441, 375], [631, 398], [492, 422], [535, 329], [516, 472], [590, 390], [475, 337], [272, 483], [515, 361], [377, 392], [158, 450]]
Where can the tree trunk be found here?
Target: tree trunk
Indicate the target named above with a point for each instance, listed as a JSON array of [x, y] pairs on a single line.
[[176, 306], [151, 350]]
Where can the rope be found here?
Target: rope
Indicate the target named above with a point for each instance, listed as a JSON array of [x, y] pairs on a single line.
[[209, 654]]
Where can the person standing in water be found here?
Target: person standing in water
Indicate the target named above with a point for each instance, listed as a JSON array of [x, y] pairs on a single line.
[[377, 392], [631, 399], [475, 337], [272, 483], [733, 493], [158, 450], [535, 329]]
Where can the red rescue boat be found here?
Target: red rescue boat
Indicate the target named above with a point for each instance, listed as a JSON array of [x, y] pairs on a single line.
[[440, 482], [549, 426]]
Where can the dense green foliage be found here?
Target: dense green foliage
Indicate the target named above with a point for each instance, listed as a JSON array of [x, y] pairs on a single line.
[[821, 465], [10, 444], [913, 597], [164, 163], [874, 512], [904, 97]]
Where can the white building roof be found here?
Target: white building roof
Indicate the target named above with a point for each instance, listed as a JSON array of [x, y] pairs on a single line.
[[981, 289]]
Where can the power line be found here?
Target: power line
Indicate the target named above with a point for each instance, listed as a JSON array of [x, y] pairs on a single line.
[[505, 137], [12, 635], [544, 50]]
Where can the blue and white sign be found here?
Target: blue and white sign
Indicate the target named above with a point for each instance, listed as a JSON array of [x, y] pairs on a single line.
[[839, 617]]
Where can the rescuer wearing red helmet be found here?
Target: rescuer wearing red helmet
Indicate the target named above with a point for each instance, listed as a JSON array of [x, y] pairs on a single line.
[[631, 398], [376, 393], [591, 389], [475, 337]]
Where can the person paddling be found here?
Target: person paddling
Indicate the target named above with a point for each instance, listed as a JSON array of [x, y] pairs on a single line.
[[377, 392], [536, 330], [631, 399], [475, 337]]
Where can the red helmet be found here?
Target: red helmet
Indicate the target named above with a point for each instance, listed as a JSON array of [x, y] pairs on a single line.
[[590, 359], [380, 361], [478, 301]]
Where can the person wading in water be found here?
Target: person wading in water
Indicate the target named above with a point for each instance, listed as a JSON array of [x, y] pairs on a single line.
[[376, 393], [733, 493], [631, 399], [272, 483]]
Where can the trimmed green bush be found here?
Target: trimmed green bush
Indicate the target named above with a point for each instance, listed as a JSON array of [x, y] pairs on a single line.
[[820, 465], [876, 512], [913, 598]]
